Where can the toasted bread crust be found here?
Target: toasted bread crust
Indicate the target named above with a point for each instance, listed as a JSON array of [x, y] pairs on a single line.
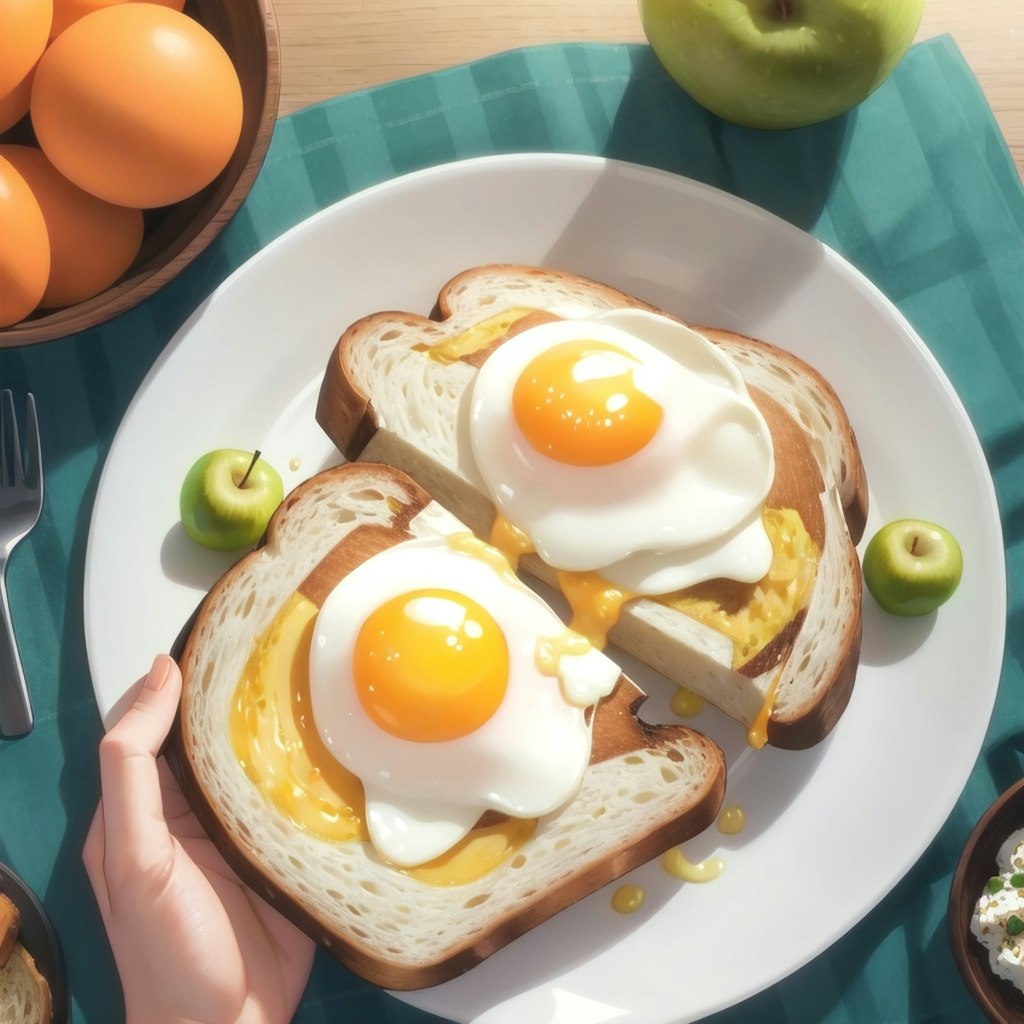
[[611, 731], [24, 991], [810, 405], [800, 730], [853, 487], [343, 409], [447, 298], [10, 923], [347, 415], [617, 732]]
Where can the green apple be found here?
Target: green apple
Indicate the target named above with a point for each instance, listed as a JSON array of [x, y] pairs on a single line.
[[228, 497], [779, 63], [912, 566]]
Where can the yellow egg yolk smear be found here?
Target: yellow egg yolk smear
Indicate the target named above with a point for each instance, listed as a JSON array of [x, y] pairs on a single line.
[[578, 403], [757, 734], [430, 665], [753, 614], [278, 746], [675, 863], [476, 338], [275, 738]]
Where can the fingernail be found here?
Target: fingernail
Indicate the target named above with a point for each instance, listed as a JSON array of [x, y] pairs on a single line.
[[159, 673]]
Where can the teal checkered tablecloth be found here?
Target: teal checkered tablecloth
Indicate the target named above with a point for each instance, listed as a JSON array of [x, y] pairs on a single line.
[[915, 187]]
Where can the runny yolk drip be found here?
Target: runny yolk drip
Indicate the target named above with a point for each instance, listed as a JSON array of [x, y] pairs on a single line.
[[595, 603], [493, 556], [430, 665], [757, 734], [675, 864], [627, 899], [578, 403], [278, 746], [685, 703], [751, 614], [732, 820], [512, 542]]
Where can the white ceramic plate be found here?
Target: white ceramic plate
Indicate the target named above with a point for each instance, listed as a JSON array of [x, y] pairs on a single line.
[[846, 819]]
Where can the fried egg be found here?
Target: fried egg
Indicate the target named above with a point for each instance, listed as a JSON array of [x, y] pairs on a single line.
[[450, 689], [627, 444]]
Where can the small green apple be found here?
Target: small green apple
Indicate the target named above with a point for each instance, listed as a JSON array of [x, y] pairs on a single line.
[[228, 497], [912, 566], [779, 63]]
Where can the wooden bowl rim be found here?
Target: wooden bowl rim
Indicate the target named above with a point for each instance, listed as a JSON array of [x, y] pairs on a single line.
[[990, 992], [139, 286]]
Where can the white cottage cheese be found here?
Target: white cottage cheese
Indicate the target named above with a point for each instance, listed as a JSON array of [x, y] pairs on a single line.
[[998, 920]]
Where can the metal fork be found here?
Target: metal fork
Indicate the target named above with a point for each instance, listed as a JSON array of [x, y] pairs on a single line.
[[21, 501]]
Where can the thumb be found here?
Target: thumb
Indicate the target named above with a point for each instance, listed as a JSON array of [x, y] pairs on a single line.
[[145, 725], [132, 802]]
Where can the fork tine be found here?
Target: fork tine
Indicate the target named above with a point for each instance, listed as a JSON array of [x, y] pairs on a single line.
[[34, 448], [6, 458]]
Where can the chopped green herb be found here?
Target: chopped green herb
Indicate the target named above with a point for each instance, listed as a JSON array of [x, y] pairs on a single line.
[[994, 884], [1014, 925], [1017, 880]]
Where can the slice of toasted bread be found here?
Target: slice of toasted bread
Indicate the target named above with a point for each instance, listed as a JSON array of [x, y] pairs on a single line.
[[385, 399], [10, 923], [24, 992], [646, 788]]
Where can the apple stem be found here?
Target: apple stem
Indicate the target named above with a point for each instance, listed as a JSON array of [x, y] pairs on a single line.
[[785, 8], [913, 546], [255, 459]]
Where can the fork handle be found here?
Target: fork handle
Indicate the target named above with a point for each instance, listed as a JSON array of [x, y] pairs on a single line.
[[16, 717]]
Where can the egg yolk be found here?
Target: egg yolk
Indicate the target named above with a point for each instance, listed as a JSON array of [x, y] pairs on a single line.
[[578, 403], [430, 665]]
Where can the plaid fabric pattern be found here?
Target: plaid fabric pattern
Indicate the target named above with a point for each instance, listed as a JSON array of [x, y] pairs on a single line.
[[915, 187]]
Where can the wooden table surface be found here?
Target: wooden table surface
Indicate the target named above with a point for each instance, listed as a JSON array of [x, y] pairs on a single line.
[[329, 47]]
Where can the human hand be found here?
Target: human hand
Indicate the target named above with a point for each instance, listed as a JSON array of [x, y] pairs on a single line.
[[191, 942]]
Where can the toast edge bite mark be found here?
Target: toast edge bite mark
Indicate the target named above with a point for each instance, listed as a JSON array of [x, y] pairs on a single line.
[[348, 416], [617, 733]]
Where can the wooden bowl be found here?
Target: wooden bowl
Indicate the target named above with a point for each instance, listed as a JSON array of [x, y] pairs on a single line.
[[176, 235], [1001, 1002]]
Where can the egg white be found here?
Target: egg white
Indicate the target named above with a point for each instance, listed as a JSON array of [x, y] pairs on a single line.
[[528, 759], [685, 508]]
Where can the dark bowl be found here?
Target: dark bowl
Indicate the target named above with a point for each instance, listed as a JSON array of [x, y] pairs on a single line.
[[175, 235], [1000, 1000], [36, 934]]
